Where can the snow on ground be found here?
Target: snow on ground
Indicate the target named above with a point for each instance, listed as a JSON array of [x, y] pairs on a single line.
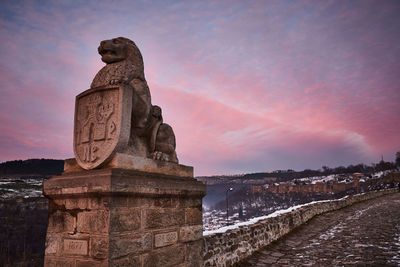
[[340, 226], [318, 179], [380, 174], [396, 258], [257, 219], [16, 188], [216, 220]]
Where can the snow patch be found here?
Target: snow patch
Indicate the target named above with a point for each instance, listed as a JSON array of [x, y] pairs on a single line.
[[257, 219]]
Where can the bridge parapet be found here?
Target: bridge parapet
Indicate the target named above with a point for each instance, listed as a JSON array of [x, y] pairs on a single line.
[[228, 245]]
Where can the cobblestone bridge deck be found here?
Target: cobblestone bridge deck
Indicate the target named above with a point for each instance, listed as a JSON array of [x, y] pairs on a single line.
[[364, 234]]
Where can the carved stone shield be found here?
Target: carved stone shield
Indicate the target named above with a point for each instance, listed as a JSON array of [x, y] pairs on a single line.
[[102, 124]]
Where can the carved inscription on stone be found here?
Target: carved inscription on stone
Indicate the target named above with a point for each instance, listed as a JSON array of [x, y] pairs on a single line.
[[74, 246], [165, 239], [96, 126]]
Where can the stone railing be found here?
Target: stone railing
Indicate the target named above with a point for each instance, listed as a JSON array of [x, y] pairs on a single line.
[[228, 245]]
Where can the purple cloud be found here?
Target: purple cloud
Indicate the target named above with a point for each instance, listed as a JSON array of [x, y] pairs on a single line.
[[247, 86]]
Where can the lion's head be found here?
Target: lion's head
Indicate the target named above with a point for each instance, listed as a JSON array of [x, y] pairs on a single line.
[[119, 49]]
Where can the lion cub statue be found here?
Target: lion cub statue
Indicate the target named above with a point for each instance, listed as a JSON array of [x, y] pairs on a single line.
[[149, 136]]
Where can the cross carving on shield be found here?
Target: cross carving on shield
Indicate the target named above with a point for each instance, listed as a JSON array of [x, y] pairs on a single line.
[[102, 124]]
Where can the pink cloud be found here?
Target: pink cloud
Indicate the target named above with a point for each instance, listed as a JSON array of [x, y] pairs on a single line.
[[207, 131], [246, 86]]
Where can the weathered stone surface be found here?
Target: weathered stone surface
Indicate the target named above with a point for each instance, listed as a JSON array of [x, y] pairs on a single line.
[[126, 261], [165, 239], [115, 217], [129, 245], [70, 165], [51, 262], [142, 202], [191, 233], [157, 218], [93, 221], [86, 263], [130, 162], [99, 183], [76, 203], [75, 246], [193, 250], [188, 203], [163, 202], [126, 161], [125, 219], [52, 243], [99, 247], [193, 215], [61, 221], [116, 114], [101, 124], [167, 256]]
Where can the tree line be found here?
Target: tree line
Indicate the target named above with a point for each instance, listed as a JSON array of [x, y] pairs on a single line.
[[53, 166], [286, 175], [32, 166]]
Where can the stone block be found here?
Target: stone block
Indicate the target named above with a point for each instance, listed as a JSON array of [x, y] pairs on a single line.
[[98, 203], [126, 261], [163, 202], [124, 161], [163, 218], [190, 233], [130, 183], [93, 221], [99, 247], [193, 216], [76, 203], [70, 165], [75, 246], [129, 245], [124, 219], [167, 256], [52, 243], [61, 221], [198, 263], [119, 201], [52, 262], [54, 203], [165, 239], [194, 251], [187, 202], [141, 202], [88, 263]]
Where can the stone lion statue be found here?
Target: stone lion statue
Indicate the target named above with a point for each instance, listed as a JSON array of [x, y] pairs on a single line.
[[149, 137]]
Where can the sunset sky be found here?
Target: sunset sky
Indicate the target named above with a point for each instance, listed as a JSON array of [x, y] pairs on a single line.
[[248, 86]]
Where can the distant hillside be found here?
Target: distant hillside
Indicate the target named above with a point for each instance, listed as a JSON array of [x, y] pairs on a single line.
[[288, 175], [32, 166], [258, 178]]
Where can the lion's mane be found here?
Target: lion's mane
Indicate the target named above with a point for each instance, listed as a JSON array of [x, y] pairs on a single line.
[[123, 71]]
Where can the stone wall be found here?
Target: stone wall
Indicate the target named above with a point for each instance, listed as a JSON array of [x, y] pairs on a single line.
[[118, 217], [226, 248], [321, 187]]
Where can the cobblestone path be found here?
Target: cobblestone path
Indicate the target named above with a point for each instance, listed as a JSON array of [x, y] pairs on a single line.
[[365, 234]]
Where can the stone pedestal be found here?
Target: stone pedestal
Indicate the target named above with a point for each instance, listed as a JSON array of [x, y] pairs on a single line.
[[119, 217]]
